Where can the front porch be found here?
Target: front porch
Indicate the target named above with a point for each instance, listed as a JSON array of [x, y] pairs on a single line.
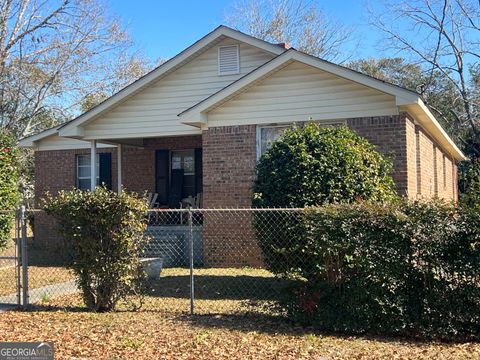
[[169, 169]]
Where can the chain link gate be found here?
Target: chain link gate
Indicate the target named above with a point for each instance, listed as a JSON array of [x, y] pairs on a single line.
[[13, 270]]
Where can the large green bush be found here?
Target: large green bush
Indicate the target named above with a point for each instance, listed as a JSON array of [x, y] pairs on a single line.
[[9, 194], [410, 268], [312, 166], [107, 235], [315, 165]]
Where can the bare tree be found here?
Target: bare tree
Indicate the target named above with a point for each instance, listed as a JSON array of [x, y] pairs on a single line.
[[54, 54], [443, 36], [296, 22]]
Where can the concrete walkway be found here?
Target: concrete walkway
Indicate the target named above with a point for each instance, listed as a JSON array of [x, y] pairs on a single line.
[[36, 295]]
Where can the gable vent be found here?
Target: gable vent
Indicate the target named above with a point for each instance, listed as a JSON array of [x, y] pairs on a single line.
[[228, 60]]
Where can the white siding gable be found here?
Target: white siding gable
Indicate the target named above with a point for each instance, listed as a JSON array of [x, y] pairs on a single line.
[[153, 111], [299, 92]]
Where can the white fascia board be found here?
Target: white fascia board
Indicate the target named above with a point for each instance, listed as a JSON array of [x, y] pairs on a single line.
[[222, 31]]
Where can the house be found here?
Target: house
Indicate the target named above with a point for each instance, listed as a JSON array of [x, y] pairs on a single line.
[[199, 122]]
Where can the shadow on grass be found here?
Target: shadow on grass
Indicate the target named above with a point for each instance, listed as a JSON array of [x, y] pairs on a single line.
[[277, 325], [208, 287]]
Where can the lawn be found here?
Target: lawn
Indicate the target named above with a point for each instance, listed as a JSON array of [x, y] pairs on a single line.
[[38, 276], [228, 325]]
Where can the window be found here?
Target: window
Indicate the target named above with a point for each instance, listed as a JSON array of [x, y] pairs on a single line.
[[103, 171], [185, 160], [266, 136], [228, 60], [83, 171]]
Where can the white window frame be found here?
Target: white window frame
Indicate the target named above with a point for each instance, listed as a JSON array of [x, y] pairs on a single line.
[[237, 70], [78, 177]]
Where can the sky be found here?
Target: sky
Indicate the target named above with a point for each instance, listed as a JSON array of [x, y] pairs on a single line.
[[164, 28]]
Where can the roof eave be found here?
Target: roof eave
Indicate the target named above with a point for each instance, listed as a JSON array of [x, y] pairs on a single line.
[[29, 141], [424, 116]]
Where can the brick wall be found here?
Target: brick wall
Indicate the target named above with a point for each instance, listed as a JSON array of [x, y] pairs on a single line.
[[55, 170], [229, 157], [436, 170], [422, 170]]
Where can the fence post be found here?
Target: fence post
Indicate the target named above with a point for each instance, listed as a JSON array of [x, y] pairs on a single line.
[[18, 250], [23, 223], [190, 240]]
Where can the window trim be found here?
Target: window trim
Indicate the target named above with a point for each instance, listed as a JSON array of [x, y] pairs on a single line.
[[233, 72]]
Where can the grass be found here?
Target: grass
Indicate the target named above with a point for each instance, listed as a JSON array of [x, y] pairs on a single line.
[[230, 323], [156, 332], [38, 276]]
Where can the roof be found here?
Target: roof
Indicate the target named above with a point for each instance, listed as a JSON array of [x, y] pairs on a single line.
[[197, 114]]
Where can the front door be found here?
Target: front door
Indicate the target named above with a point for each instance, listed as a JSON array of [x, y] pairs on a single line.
[[178, 174]]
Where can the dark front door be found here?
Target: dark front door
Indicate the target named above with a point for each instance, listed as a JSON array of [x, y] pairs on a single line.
[[169, 165]]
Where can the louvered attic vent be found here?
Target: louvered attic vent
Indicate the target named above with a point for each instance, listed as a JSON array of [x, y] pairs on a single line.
[[228, 60]]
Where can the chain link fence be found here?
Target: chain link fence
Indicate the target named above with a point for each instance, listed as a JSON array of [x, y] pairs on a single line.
[[10, 264], [201, 261]]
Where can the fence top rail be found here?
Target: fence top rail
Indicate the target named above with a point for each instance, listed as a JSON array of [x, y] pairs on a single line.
[[226, 210], [159, 210]]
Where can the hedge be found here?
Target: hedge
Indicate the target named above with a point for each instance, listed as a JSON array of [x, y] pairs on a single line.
[[410, 268]]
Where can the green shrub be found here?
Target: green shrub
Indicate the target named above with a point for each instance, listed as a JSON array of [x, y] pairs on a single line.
[[9, 194], [312, 166], [410, 268], [315, 165], [107, 235]]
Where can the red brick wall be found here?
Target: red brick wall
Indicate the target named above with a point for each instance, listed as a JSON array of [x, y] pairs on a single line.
[[435, 170], [229, 157], [55, 170]]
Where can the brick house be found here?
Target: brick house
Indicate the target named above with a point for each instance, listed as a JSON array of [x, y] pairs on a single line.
[[199, 122]]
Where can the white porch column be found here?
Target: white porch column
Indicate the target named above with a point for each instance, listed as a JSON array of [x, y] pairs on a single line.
[[93, 164], [119, 168]]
